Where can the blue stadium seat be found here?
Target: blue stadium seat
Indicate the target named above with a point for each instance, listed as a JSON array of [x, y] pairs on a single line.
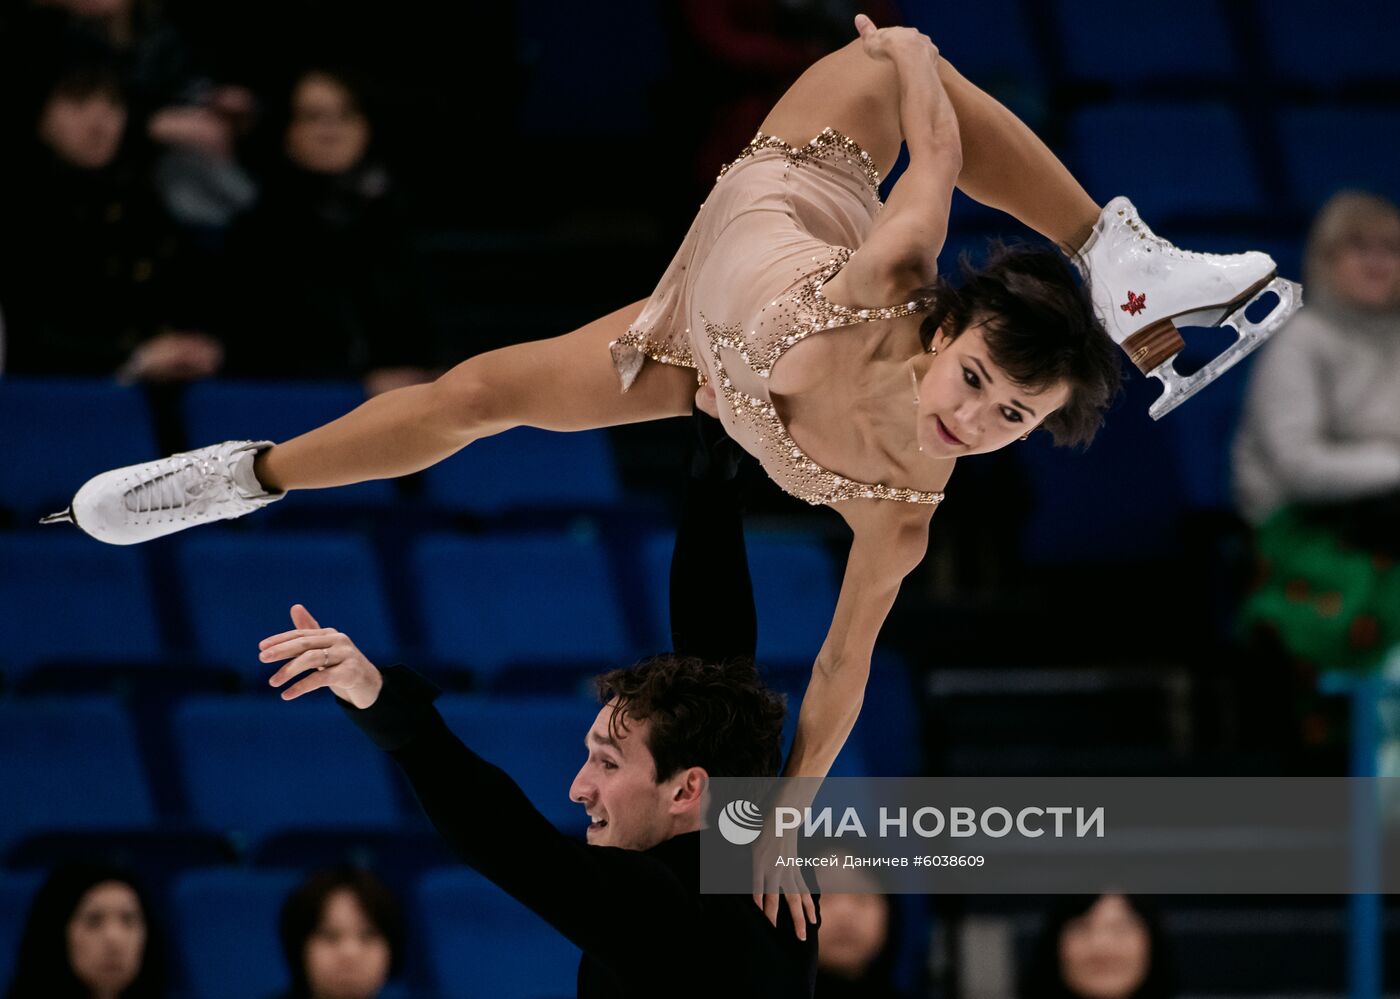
[[988, 42], [795, 588], [1127, 45], [277, 411], [537, 740], [606, 91], [1199, 163], [227, 931], [539, 597], [240, 588], [16, 893], [156, 856], [1115, 502], [256, 765], [1327, 149], [76, 599], [527, 468], [482, 942], [1333, 44], [1201, 433], [56, 434], [73, 764]]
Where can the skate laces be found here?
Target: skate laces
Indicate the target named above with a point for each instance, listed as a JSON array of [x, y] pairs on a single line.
[[1138, 226], [190, 488]]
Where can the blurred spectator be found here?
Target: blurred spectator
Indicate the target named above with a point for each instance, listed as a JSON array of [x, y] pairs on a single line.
[[341, 935], [172, 99], [1100, 947], [1317, 457], [89, 935], [324, 273], [93, 274], [856, 952]]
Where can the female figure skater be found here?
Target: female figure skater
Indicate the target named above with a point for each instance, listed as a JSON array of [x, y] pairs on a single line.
[[814, 324]]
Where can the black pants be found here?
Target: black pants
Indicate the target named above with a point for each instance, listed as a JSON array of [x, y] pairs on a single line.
[[712, 608]]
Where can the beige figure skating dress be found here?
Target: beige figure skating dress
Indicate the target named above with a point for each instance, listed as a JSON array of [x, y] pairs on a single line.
[[746, 285]]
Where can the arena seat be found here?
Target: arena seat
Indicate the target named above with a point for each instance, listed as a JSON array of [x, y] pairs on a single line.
[[220, 410], [256, 765], [537, 740], [73, 763], [1129, 45], [1326, 149], [527, 468], [73, 599], [1111, 503], [502, 599], [16, 893], [156, 856], [1337, 44], [610, 98], [1201, 435], [795, 589], [57, 433], [240, 588], [226, 931], [483, 942], [990, 43], [1179, 179]]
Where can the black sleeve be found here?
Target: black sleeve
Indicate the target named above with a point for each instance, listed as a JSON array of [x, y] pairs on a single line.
[[622, 907], [712, 605]]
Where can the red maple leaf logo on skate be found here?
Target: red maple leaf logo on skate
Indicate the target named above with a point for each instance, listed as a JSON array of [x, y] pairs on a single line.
[[1135, 303]]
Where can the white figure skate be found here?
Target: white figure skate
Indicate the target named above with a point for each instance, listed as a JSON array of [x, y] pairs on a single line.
[[139, 502], [1144, 288]]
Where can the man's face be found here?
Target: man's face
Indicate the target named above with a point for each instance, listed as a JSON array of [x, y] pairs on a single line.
[[617, 785]]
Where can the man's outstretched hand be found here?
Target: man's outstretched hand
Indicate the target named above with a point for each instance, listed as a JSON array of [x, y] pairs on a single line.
[[331, 658]]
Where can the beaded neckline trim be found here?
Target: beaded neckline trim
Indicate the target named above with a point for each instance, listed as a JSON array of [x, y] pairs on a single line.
[[829, 144]]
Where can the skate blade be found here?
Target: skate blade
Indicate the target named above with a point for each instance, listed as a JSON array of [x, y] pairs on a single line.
[[1250, 336], [62, 517]]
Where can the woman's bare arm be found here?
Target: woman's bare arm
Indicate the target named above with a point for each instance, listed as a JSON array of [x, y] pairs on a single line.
[[901, 251], [890, 541]]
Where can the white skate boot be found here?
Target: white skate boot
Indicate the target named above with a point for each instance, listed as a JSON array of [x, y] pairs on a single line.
[[139, 502], [1144, 288]]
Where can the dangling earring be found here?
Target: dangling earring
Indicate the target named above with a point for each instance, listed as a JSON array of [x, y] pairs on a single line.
[[915, 379], [932, 350], [1025, 437]]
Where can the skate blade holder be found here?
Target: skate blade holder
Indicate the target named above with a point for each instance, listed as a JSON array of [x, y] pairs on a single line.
[[1178, 388]]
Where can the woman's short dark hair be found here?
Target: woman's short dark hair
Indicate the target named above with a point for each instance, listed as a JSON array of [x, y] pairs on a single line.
[[1044, 978], [719, 716], [305, 907], [43, 970], [1040, 328]]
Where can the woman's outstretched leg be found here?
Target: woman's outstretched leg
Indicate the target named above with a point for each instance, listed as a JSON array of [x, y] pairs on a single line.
[[1006, 166], [567, 383], [564, 383]]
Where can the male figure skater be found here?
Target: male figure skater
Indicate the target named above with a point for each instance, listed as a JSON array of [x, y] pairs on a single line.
[[629, 898]]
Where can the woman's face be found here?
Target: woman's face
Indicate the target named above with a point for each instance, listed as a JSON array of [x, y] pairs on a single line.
[[853, 932], [967, 405], [107, 938], [328, 133], [84, 131], [1366, 268], [347, 957], [1105, 953]]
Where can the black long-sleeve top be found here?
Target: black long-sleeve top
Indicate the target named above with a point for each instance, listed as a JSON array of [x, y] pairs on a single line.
[[638, 915]]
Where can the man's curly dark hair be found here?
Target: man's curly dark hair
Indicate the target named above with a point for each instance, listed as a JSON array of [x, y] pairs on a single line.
[[719, 716]]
